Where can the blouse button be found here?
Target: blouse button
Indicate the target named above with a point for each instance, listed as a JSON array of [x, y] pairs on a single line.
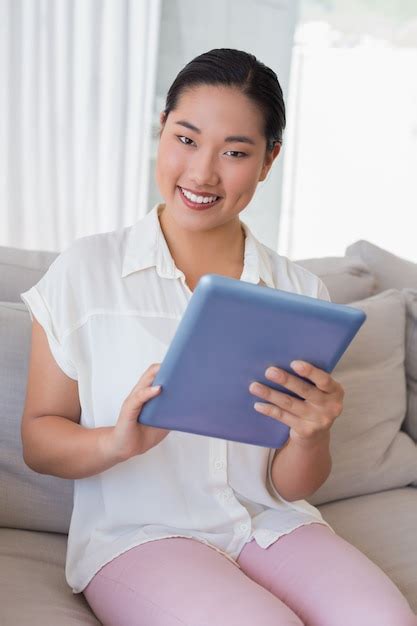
[[225, 494], [242, 528], [219, 464]]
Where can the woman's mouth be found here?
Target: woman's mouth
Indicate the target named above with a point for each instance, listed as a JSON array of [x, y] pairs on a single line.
[[194, 203]]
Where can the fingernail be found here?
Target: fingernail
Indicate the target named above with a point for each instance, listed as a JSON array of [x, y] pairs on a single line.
[[156, 387], [299, 365]]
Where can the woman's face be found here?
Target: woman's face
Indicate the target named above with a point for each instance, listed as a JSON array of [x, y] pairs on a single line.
[[203, 160]]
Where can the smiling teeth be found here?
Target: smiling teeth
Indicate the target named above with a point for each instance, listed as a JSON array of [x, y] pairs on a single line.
[[198, 199]]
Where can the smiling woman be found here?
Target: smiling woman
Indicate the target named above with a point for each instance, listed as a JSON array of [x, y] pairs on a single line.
[[169, 527], [221, 131]]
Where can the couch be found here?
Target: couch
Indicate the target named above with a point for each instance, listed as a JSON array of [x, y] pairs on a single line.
[[370, 497]]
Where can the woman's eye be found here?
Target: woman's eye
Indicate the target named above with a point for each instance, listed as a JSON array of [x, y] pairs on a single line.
[[243, 154], [181, 137], [235, 152]]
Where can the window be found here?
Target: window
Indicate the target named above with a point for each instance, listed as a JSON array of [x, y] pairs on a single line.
[[351, 141]]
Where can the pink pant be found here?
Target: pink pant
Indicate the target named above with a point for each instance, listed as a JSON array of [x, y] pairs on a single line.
[[308, 577]]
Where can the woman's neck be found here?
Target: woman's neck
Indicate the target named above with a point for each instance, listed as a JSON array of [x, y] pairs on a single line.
[[218, 251]]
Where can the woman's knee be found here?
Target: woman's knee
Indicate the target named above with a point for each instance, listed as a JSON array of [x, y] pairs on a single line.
[[328, 581], [384, 615]]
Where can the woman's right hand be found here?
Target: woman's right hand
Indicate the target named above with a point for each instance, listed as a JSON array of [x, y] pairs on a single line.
[[129, 437]]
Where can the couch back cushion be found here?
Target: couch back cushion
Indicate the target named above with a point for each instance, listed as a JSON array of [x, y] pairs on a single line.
[[20, 270], [394, 272], [346, 278], [410, 423], [369, 450], [28, 500], [390, 270]]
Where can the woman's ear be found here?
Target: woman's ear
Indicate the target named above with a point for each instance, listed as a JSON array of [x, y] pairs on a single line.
[[269, 159], [162, 120]]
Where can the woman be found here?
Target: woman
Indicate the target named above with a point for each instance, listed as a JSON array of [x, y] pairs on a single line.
[[170, 528]]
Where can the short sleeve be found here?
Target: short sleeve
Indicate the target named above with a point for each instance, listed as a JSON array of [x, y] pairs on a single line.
[[47, 302], [323, 292], [269, 475]]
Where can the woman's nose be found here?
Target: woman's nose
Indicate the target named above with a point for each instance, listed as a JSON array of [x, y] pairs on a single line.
[[203, 170]]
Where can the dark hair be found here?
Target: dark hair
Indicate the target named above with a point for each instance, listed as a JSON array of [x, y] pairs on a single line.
[[235, 68]]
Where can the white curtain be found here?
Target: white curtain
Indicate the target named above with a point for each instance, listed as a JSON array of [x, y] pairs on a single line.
[[76, 106]]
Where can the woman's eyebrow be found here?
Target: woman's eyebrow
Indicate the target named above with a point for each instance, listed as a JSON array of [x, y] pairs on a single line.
[[231, 138]]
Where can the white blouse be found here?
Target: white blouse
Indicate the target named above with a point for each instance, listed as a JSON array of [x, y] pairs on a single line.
[[110, 304]]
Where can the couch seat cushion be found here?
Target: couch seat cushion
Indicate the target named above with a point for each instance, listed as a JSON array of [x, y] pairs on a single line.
[[33, 589], [383, 526]]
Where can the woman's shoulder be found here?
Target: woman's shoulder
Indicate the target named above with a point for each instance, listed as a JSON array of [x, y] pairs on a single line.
[[89, 256], [84, 273]]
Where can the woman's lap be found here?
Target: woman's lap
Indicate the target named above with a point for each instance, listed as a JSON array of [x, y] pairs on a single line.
[[178, 582], [310, 576]]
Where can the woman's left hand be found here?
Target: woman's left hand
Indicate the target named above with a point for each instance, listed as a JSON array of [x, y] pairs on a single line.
[[310, 419]]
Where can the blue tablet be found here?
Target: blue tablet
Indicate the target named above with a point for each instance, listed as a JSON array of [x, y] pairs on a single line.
[[230, 333]]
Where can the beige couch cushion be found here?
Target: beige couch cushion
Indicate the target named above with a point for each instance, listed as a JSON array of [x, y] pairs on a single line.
[[28, 499], [382, 526], [20, 269], [346, 278], [33, 589], [370, 453], [410, 424], [390, 270]]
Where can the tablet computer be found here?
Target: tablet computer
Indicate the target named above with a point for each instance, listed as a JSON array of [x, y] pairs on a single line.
[[230, 333]]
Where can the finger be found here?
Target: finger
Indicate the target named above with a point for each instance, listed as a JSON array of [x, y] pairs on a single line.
[[304, 429], [294, 406], [323, 380], [278, 414], [154, 368], [142, 394], [302, 388], [147, 378]]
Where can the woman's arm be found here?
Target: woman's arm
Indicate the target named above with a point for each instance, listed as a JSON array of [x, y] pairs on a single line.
[[53, 441], [304, 463], [299, 469], [57, 446]]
